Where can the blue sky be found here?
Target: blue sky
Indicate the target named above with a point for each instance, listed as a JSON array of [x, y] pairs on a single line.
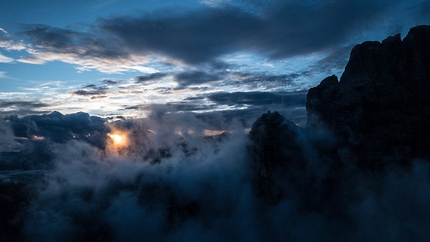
[[118, 57]]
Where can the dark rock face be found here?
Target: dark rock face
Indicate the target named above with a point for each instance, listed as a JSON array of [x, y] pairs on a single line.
[[292, 164], [13, 197], [276, 150], [381, 105], [376, 117]]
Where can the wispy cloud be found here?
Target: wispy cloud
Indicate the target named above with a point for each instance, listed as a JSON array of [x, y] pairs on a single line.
[[91, 90], [5, 59], [9, 44], [22, 107], [104, 65], [86, 51]]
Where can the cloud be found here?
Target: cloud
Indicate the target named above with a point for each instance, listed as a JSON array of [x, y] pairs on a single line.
[[259, 98], [61, 128], [268, 80], [110, 82], [68, 41], [188, 78], [275, 29], [5, 59], [150, 78], [8, 104], [87, 51], [22, 107], [86, 63], [91, 90], [247, 106], [334, 61], [7, 43], [193, 93], [173, 183], [280, 30], [7, 139]]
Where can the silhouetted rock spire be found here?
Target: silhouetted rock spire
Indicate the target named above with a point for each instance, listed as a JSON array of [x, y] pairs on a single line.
[[381, 105], [377, 116]]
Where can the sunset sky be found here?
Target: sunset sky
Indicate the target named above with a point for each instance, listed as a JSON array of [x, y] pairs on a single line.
[[117, 57]]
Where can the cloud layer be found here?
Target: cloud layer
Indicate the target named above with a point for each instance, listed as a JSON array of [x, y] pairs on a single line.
[[279, 30], [276, 30], [183, 54], [174, 183]]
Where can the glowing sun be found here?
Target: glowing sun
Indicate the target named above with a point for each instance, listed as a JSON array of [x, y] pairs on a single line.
[[118, 139]]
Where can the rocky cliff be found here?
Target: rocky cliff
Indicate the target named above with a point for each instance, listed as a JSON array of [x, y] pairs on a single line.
[[381, 105], [377, 117]]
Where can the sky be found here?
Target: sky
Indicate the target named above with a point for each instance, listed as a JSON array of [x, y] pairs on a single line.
[[120, 58]]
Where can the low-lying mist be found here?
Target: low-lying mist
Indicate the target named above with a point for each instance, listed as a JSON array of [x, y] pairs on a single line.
[[182, 178]]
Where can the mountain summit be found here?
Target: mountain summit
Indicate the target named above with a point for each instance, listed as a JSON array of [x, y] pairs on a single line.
[[375, 119], [381, 105]]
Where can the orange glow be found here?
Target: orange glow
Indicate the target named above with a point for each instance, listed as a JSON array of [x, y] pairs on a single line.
[[118, 139]]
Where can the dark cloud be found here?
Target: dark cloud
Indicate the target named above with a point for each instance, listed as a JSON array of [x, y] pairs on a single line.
[[246, 106], [279, 29], [67, 41], [26, 142], [132, 107], [271, 79], [188, 78], [98, 97], [91, 90], [60, 128], [259, 98], [110, 82], [163, 90], [151, 77], [242, 106], [51, 37], [282, 29], [22, 107], [187, 105], [22, 104]]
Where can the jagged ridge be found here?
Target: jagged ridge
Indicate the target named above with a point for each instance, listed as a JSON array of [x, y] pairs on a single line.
[[375, 117]]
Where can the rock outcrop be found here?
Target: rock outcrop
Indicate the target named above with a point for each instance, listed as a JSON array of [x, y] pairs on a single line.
[[376, 117], [381, 106], [277, 153]]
